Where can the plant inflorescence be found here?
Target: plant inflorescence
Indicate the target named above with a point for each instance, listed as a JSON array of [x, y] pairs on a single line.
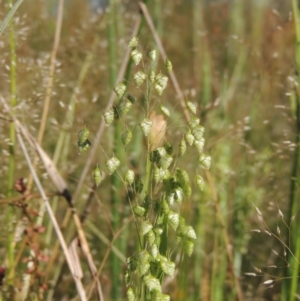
[[158, 186]]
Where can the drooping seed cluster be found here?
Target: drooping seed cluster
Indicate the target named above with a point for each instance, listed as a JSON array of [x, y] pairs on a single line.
[[155, 200]]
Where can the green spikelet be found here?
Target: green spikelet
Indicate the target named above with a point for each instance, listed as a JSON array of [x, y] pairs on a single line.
[[200, 182], [152, 283], [189, 138], [129, 177], [165, 111], [82, 147], [139, 210], [197, 132], [126, 137], [151, 76], [188, 247], [109, 116], [139, 78], [194, 121], [112, 164], [130, 295], [134, 42], [167, 266], [182, 147], [184, 181], [205, 161], [169, 66], [97, 177], [122, 108], [191, 106], [199, 144], [83, 135], [146, 226], [173, 220], [136, 56], [152, 54], [120, 89], [145, 126]]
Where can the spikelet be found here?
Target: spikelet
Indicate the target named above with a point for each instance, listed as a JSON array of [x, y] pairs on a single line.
[[112, 164], [151, 76], [188, 247], [83, 141], [200, 182], [150, 238], [127, 278], [158, 88], [191, 106], [194, 121], [130, 295], [205, 161], [139, 78], [184, 181], [173, 220], [83, 135], [136, 56], [143, 262], [182, 146], [189, 232], [134, 42], [97, 176], [152, 54], [198, 131], [145, 126], [146, 226], [162, 80], [109, 116], [123, 108], [131, 98], [139, 210], [152, 283], [129, 177], [167, 266], [199, 144], [189, 138], [126, 137], [120, 89], [168, 65], [165, 111], [154, 251], [82, 147]]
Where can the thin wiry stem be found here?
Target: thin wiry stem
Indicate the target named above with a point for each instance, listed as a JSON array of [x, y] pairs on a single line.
[[50, 77], [12, 137], [10, 15]]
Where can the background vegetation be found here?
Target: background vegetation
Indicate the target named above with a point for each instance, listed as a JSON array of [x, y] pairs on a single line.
[[237, 61]]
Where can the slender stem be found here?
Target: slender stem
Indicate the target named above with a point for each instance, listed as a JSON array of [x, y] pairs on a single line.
[[115, 181], [12, 136], [290, 287]]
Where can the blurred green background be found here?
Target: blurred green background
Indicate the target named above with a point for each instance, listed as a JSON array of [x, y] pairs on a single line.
[[237, 61]]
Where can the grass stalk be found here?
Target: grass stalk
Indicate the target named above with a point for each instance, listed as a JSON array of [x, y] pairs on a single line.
[[290, 287], [12, 137], [10, 14], [116, 184]]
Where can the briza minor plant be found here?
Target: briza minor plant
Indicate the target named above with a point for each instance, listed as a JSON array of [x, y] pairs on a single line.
[[157, 189]]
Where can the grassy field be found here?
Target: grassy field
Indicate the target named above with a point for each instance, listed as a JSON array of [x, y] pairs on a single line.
[[67, 234]]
